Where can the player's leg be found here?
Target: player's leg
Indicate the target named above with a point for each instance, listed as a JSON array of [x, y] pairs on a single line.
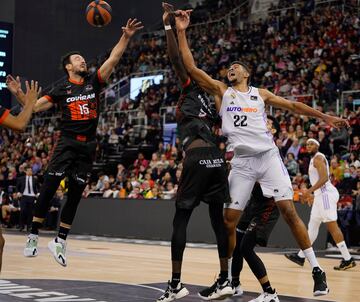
[[237, 263], [275, 182], [241, 183], [2, 244], [175, 289], [256, 265], [60, 160], [313, 231], [47, 191], [337, 235]]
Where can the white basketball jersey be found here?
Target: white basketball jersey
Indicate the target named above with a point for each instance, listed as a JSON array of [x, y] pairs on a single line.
[[244, 122], [328, 187]]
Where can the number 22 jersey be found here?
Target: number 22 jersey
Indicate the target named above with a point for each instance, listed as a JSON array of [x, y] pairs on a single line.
[[79, 105], [244, 122]]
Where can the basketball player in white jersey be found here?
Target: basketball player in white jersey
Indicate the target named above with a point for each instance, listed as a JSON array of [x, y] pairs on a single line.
[[324, 206], [256, 157]]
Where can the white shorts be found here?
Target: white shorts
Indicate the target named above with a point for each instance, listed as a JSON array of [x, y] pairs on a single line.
[[268, 169], [324, 208]]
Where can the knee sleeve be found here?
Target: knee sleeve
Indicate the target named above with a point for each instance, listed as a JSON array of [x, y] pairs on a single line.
[[74, 195], [178, 239], [47, 192], [247, 249], [218, 225]]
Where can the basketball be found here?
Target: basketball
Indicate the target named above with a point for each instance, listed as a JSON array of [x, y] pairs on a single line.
[[98, 13]]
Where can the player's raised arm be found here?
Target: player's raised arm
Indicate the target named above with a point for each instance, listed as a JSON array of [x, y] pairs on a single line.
[[20, 122], [172, 46], [132, 26], [300, 108], [210, 85], [14, 86]]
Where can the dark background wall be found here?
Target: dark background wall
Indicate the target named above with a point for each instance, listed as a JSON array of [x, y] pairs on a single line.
[[152, 220], [46, 29], [7, 10]]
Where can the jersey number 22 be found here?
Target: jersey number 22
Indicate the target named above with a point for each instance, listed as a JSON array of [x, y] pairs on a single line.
[[240, 120]]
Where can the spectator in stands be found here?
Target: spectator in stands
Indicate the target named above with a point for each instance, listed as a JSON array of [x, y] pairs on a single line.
[[294, 148], [101, 182], [154, 161], [135, 193], [324, 144], [53, 213], [347, 184], [355, 146], [336, 170], [339, 140], [140, 161], [291, 165], [113, 138]]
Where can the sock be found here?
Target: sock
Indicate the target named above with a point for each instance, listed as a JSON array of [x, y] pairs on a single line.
[[310, 256], [175, 279], [35, 226], [344, 250], [63, 232], [229, 268], [267, 288], [223, 276], [235, 281], [301, 254]]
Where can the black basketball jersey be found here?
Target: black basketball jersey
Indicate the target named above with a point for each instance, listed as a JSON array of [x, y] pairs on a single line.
[[195, 115], [3, 114], [79, 105]]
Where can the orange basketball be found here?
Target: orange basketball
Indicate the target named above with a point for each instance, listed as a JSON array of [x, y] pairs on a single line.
[[98, 13]]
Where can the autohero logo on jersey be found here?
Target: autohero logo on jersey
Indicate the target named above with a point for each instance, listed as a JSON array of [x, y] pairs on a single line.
[[211, 163], [81, 97], [242, 109]]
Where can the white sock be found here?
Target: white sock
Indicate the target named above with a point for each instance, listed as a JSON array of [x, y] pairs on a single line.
[[301, 254], [229, 268], [344, 250], [310, 256], [60, 240]]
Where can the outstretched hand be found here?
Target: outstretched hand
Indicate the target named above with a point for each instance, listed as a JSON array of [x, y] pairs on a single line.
[[132, 26], [32, 91], [14, 85], [168, 10], [336, 122], [182, 19]]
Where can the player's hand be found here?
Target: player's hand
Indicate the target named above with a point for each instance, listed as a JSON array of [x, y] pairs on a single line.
[[336, 122], [310, 200], [14, 85], [132, 26], [32, 91], [168, 10], [182, 19]]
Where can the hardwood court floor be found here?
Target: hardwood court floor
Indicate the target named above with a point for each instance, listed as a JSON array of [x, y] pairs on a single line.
[[145, 264]]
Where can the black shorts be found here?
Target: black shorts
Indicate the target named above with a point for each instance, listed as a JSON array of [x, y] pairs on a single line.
[[203, 178], [261, 222], [72, 158]]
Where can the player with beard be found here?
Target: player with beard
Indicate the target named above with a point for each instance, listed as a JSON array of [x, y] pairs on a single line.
[[78, 100], [324, 206], [256, 157], [19, 123]]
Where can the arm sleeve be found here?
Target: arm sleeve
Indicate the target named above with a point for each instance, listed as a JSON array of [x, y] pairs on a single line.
[[3, 114]]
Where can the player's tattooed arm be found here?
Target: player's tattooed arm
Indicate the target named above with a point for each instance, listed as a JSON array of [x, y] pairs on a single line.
[[132, 26], [301, 108], [14, 86], [172, 46], [20, 121], [211, 86]]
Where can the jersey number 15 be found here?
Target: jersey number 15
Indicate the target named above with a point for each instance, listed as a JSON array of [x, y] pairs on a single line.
[[240, 120]]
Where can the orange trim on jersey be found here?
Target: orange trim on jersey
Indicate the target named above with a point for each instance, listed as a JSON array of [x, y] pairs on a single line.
[[49, 98], [4, 116], [187, 83], [76, 82], [101, 80]]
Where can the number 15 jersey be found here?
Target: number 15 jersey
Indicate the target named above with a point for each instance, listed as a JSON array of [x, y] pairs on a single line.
[[79, 105], [244, 122]]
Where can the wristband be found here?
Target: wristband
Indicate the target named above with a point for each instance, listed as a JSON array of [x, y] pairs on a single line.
[[167, 27]]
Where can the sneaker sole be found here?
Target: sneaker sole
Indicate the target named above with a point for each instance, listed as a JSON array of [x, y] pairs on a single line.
[[294, 261], [56, 259], [220, 297], [321, 292], [345, 268], [30, 255], [181, 294]]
